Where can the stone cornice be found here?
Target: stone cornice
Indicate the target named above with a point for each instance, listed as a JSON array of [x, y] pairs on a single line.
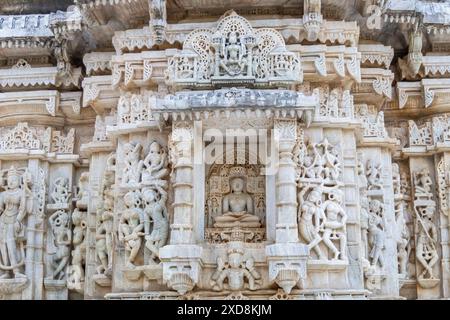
[[320, 62], [39, 30], [235, 103], [339, 32], [64, 23], [25, 77], [376, 54], [433, 93], [411, 98], [49, 98], [436, 65], [22, 26], [126, 11], [72, 100], [408, 11], [138, 68], [436, 91], [90, 4], [380, 79], [405, 90], [97, 62], [99, 93]]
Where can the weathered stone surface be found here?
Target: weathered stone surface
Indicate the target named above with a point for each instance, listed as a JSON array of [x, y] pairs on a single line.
[[248, 150]]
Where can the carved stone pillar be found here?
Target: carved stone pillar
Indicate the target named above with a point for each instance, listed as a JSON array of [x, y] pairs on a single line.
[[182, 258], [381, 273], [443, 179], [101, 283], [286, 186], [183, 181], [426, 216], [158, 17], [34, 262], [287, 258]]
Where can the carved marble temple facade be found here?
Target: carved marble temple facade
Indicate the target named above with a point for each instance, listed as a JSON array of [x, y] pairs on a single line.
[[202, 149]]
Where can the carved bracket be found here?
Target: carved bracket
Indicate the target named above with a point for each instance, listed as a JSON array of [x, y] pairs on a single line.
[[287, 264], [181, 266]]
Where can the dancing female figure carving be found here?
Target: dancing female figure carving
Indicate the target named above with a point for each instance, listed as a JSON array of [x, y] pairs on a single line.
[[155, 212], [310, 218], [335, 224]]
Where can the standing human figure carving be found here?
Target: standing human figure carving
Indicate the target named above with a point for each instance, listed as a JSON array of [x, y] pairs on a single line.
[[364, 200], [362, 178], [83, 191], [335, 224], [14, 208], [76, 274], [396, 179], [310, 218], [377, 237], [104, 239], [105, 213], [402, 237], [155, 213], [131, 227], [62, 239]]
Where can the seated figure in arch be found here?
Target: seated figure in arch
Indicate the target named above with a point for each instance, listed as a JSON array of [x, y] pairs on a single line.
[[237, 208]]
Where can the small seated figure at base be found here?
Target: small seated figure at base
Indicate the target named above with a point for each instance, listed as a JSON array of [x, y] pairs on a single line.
[[237, 208]]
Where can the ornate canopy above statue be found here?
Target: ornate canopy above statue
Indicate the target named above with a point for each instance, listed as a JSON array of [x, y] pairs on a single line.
[[234, 53]]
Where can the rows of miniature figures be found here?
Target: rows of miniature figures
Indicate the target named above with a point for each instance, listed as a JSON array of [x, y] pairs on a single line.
[[321, 215]]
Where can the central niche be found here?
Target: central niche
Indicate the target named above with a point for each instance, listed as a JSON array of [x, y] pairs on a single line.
[[235, 203]]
